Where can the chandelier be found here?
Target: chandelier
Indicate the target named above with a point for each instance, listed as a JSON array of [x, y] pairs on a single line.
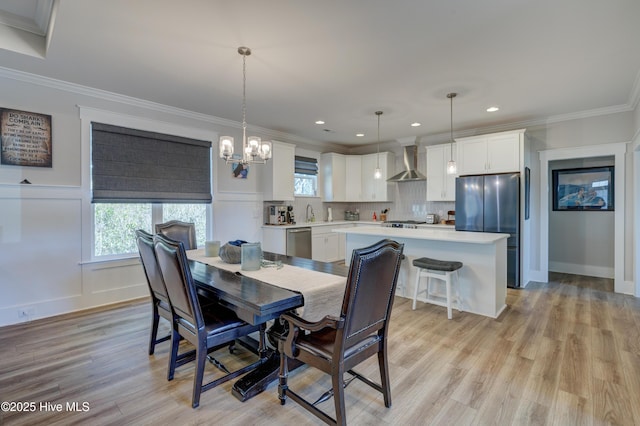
[[254, 151]]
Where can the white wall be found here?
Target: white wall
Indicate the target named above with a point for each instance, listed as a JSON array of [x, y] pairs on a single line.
[[45, 233]]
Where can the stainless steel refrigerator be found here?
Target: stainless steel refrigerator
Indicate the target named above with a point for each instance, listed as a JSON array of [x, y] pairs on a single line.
[[491, 203]]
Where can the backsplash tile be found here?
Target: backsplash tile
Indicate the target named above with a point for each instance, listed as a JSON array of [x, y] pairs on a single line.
[[410, 204]]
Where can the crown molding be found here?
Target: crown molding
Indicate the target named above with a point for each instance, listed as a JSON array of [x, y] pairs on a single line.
[[141, 103], [632, 103]]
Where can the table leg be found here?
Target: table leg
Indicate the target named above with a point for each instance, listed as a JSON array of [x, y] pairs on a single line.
[[259, 379]]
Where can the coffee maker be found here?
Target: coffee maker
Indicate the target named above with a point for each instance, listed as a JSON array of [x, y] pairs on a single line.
[[277, 215], [290, 217]]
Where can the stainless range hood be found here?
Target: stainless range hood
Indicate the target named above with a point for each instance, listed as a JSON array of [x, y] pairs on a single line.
[[410, 172]]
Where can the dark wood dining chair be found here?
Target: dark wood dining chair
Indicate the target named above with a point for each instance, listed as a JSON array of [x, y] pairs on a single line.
[[179, 231], [159, 297], [336, 345], [207, 330]]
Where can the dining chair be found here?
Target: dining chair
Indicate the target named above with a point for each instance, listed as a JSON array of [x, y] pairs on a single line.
[[335, 345], [159, 297], [207, 330], [179, 231]]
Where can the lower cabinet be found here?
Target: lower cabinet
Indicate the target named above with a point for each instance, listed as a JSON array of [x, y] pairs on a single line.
[[274, 240], [325, 245]]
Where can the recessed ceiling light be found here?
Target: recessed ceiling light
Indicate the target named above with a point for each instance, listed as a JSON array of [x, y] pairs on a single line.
[[319, 122], [359, 135], [416, 124], [492, 109]]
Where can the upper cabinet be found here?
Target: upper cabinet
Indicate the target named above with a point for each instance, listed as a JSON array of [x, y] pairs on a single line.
[[492, 153], [278, 173], [334, 171], [350, 177], [440, 185], [353, 181], [377, 189]]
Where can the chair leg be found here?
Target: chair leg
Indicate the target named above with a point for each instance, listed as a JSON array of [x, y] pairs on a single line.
[[415, 291], [447, 281], [155, 319], [173, 358], [458, 300], [384, 376], [201, 357], [284, 373], [337, 381]]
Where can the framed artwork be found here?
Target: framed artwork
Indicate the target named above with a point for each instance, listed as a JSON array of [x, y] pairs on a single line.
[[239, 170], [25, 138], [588, 188], [527, 193]]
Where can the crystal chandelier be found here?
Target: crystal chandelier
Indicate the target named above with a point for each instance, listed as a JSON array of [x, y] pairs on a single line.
[[254, 151]]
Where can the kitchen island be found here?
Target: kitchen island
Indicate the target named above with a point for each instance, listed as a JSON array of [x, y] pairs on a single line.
[[483, 278]]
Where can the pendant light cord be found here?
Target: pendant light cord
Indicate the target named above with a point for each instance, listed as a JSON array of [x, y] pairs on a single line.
[[244, 102], [451, 96]]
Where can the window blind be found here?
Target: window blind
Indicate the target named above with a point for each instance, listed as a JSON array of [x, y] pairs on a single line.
[[136, 166], [306, 165]]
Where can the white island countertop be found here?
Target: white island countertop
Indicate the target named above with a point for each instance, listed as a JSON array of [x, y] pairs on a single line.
[[482, 278], [450, 235]]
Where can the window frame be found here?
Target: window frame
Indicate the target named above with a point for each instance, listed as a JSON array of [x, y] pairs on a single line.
[[87, 116]]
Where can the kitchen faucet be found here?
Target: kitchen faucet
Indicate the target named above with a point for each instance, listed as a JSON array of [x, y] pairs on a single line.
[[313, 216]]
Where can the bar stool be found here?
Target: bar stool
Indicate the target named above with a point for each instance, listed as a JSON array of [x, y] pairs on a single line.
[[442, 270]]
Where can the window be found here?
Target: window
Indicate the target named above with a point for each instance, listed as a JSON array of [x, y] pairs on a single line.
[[140, 178], [116, 223], [305, 178], [115, 226], [196, 213]]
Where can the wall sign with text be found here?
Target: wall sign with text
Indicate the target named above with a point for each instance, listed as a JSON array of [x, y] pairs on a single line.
[[25, 138]]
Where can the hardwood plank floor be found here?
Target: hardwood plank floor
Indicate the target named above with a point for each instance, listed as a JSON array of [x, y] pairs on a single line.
[[563, 353]]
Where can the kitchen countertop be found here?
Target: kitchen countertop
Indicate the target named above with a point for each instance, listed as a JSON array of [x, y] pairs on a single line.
[[322, 223], [353, 222], [450, 235]]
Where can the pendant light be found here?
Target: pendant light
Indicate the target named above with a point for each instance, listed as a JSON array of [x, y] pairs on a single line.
[[377, 174], [254, 151], [452, 169]]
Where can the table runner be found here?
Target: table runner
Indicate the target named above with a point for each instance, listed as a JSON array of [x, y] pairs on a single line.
[[322, 292]]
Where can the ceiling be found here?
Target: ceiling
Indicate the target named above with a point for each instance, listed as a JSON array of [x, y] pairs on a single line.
[[340, 61]]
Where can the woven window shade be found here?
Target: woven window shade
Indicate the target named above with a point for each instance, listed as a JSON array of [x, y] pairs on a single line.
[[306, 165], [135, 166]]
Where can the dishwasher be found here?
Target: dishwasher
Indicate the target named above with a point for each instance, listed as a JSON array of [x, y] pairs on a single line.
[[299, 242]]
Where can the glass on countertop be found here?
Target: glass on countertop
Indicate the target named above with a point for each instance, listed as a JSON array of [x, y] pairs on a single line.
[[271, 264]]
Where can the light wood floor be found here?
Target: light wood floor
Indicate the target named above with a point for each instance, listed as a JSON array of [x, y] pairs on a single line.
[[563, 353]]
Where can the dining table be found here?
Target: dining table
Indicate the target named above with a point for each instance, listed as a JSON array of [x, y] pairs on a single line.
[[257, 302]]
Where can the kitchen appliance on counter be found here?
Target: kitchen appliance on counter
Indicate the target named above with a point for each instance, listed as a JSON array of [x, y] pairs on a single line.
[[291, 220], [299, 242], [277, 215], [406, 224], [491, 203], [432, 218], [349, 215]]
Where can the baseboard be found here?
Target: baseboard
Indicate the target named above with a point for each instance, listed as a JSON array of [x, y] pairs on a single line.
[[587, 270]]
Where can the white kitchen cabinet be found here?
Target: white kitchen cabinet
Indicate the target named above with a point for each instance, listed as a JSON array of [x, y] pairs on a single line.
[[325, 245], [353, 176], [493, 153], [377, 189], [440, 185], [334, 176], [350, 177], [274, 239], [278, 173]]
